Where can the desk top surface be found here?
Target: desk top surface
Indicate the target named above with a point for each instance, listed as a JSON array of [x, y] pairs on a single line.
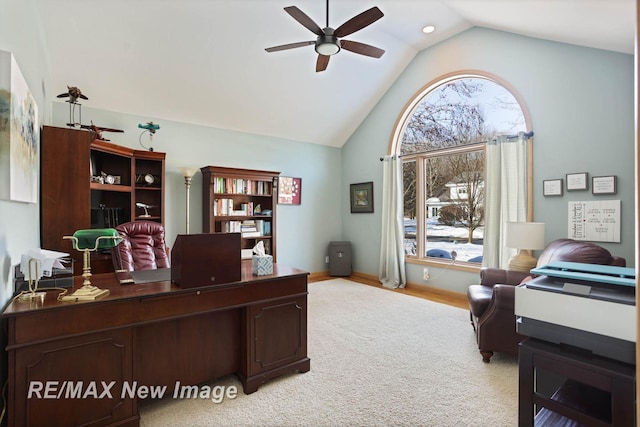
[[143, 290]]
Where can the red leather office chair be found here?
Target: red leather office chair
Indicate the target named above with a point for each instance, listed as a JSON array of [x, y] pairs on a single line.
[[143, 247]]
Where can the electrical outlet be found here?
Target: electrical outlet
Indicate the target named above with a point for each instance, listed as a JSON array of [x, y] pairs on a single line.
[[425, 274], [326, 259]]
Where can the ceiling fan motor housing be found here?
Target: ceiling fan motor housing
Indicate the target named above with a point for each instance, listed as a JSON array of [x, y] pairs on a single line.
[[326, 43]]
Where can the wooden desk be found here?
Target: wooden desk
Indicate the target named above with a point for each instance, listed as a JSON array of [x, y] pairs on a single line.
[[151, 334]]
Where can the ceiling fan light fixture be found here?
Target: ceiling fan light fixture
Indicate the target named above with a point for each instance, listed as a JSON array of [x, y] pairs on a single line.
[[327, 45]]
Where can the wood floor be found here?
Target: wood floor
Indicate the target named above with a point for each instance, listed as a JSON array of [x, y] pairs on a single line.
[[442, 296]]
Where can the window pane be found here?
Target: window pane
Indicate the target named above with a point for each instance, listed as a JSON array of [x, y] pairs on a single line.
[[443, 138], [409, 185], [455, 206], [461, 112]]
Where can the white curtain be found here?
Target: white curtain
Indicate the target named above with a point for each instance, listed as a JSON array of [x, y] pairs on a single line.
[[392, 268], [506, 195]]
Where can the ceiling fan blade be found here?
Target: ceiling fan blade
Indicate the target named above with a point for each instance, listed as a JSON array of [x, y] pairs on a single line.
[[322, 62], [302, 18], [361, 48], [358, 22], [288, 46]]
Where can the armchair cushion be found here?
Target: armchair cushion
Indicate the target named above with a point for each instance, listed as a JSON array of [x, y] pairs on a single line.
[[494, 276], [479, 298]]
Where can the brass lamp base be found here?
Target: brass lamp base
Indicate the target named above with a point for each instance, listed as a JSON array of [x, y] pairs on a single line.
[[523, 261], [86, 293]]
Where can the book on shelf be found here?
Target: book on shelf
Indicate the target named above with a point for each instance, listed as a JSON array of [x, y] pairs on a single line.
[[249, 229], [251, 234], [223, 207], [225, 185], [230, 227]]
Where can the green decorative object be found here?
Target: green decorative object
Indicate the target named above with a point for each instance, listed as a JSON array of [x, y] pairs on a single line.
[[96, 238], [89, 241]]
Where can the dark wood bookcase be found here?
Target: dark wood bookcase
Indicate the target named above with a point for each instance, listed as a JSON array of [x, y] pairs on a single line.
[[236, 200], [72, 197]]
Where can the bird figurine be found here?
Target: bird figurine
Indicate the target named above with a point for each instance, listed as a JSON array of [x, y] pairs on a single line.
[[73, 93]]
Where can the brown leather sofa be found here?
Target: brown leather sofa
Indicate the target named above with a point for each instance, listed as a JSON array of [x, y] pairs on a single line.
[[143, 247], [491, 301]]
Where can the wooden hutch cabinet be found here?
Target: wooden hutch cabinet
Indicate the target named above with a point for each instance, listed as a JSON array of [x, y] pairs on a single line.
[[242, 201], [89, 183]]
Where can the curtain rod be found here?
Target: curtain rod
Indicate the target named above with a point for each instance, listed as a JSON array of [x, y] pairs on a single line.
[[526, 134]]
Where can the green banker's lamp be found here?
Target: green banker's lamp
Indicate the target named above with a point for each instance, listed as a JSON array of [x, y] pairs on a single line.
[[89, 241]]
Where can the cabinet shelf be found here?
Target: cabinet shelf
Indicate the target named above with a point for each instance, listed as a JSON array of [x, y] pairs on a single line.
[[148, 188], [240, 217], [268, 196], [219, 185], [586, 389], [110, 187]]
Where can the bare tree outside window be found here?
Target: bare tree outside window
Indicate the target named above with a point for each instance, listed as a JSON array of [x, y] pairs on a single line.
[[443, 148]]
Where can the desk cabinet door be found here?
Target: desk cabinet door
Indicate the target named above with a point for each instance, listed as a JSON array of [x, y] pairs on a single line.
[[69, 381], [277, 334]]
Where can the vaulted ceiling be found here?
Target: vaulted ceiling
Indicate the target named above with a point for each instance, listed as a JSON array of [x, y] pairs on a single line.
[[204, 61]]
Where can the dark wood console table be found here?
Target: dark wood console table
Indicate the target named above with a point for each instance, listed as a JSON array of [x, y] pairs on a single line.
[[151, 334], [594, 391]]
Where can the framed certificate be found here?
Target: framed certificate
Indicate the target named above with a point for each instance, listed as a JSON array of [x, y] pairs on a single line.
[[577, 181], [552, 187], [603, 185]]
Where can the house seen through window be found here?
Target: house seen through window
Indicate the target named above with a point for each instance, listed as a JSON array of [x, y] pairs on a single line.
[[442, 146]]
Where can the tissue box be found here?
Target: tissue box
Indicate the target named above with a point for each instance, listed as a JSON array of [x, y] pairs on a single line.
[[262, 265]]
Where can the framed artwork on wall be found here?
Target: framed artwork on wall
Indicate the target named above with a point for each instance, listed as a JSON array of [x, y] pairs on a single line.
[[577, 181], [552, 187], [361, 196], [19, 135], [604, 185], [289, 190]]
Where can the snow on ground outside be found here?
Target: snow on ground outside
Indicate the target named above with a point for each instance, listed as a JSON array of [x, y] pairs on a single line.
[[442, 233]]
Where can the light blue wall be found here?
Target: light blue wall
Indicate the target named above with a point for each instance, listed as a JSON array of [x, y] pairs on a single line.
[[20, 222], [581, 103], [303, 232], [582, 110]]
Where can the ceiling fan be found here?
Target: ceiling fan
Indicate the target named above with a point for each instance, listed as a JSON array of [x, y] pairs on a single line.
[[328, 42]]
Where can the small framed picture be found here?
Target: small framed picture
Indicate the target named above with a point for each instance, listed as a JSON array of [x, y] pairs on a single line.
[[552, 187], [577, 181], [289, 190], [361, 197], [603, 185]]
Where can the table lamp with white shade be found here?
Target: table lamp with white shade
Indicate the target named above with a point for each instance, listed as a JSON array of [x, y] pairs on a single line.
[[524, 236]]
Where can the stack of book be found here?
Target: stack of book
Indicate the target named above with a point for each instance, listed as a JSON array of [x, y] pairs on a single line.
[[248, 228]]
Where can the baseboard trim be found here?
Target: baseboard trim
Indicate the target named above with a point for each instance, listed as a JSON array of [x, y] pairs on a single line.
[[455, 299]]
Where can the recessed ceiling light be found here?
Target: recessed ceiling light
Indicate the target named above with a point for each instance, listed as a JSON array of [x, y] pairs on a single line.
[[428, 29]]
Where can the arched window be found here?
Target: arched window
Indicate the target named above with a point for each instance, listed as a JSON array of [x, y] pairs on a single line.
[[441, 136]]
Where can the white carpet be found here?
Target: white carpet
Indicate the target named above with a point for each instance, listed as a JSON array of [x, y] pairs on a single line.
[[377, 358]]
